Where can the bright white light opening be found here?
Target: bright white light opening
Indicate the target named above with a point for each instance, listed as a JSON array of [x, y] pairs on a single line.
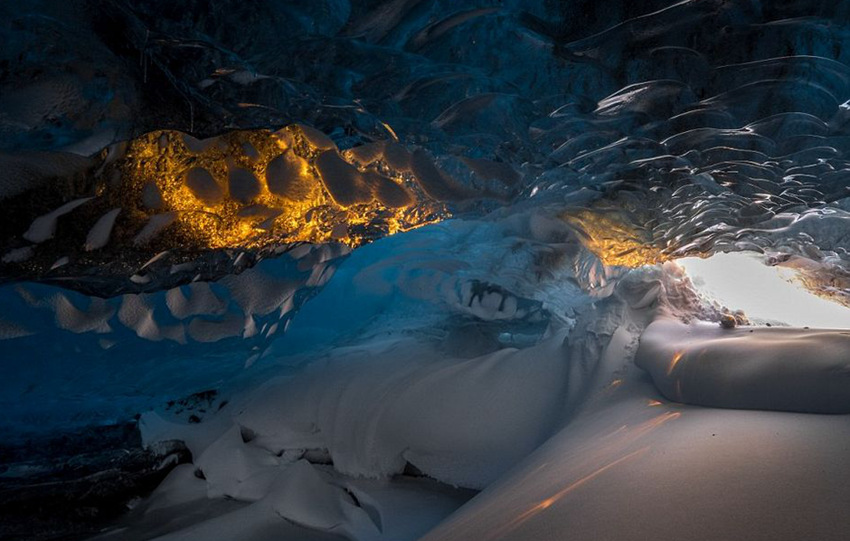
[[741, 281]]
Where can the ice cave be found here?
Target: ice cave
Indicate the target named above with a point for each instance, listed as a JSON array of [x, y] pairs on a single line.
[[425, 270]]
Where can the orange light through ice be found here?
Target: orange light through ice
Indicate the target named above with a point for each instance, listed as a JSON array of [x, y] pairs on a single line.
[[674, 361]]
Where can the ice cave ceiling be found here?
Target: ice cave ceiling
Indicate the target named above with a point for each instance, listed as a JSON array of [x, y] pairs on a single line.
[[690, 143], [192, 191]]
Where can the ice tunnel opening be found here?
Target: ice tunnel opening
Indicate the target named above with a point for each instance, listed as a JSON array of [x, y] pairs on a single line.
[[767, 294]]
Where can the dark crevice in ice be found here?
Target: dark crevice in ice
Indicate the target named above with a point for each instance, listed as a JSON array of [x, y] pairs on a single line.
[[71, 486]]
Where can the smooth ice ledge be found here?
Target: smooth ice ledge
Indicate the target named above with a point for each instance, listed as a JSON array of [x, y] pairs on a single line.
[[778, 368]]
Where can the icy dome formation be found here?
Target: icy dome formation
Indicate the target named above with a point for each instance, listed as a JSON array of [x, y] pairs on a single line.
[[351, 262]]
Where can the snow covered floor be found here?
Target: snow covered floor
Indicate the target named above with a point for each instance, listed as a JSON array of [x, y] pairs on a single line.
[[491, 379], [564, 435], [634, 468], [312, 503], [632, 465]]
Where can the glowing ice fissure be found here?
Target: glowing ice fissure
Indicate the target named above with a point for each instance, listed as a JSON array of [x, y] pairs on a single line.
[[614, 240], [767, 294]]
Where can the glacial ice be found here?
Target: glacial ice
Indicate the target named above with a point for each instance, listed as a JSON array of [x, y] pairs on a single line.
[[407, 270]]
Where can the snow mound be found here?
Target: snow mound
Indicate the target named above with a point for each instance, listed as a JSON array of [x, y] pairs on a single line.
[[377, 407], [788, 369]]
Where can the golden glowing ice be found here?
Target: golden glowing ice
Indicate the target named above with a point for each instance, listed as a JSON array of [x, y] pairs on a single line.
[[252, 188], [613, 240]]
